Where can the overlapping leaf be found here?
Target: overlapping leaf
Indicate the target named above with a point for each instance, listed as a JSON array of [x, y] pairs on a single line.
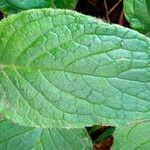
[[65, 3], [59, 68], [13, 6], [16, 137], [134, 136], [138, 14]]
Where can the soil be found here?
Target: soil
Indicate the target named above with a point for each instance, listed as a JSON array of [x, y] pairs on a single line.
[[1, 15], [110, 10]]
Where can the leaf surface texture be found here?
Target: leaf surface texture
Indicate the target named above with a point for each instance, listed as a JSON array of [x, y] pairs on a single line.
[[25, 138], [134, 136], [59, 68]]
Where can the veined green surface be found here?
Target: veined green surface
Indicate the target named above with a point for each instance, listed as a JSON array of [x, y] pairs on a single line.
[[14, 137], [133, 137], [59, 68], [137, 13]]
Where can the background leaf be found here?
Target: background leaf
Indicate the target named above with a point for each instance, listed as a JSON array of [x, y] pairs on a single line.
[[134, 136], [1, 117], [7, 8], [65, 3], [59, 68], [13, 6], [24, 138], [137, 13]]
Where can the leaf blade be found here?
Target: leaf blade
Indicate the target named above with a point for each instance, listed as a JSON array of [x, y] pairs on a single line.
[[77, 68], [17, 137], [135, 136]]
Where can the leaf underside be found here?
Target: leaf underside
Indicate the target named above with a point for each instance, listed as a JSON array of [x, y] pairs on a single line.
[[59, 68], [137, 13], [16, 137]]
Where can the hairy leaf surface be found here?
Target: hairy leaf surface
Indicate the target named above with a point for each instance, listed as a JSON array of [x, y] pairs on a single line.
[[24, 138], [134, 136], [138, 14], [59, 68]]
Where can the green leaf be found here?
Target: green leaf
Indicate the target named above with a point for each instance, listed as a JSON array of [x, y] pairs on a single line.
[[1, 117], [7, 8], [16, 137], [148, 34], [137, 13], [65, 3], [27, 4], [134, 136], [107, 133], [59, 68], [13, 6]]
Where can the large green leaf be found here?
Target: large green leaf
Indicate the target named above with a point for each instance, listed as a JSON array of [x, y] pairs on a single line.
[[137, 13], [133, 137], [14, 137], [13, 6], [59, 68]]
